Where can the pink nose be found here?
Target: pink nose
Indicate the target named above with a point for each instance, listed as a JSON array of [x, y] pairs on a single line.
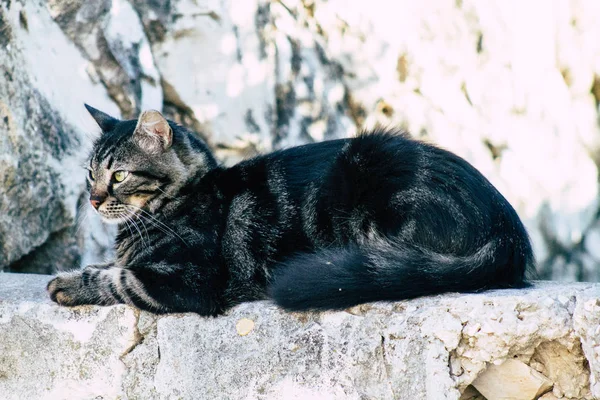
[[97, 198]]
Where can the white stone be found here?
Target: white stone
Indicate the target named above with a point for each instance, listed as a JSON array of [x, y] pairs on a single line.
[[401, 350], [517, 95], [48, 133], [512, 379], [125, 33], [199, 59]]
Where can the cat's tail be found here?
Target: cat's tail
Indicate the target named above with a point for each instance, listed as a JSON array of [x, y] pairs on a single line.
[[392, 270]]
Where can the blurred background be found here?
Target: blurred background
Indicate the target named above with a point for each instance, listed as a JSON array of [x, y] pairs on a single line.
[[512, 86]]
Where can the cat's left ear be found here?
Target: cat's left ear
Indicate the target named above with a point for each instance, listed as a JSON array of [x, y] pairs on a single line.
[[153, 132], [105, 121]]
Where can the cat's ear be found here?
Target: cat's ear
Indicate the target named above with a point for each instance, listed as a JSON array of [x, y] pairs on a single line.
[[153, 132], [105, 121]]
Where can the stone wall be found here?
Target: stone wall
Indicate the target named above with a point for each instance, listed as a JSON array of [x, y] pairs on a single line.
[[512, 87], [430, 348]]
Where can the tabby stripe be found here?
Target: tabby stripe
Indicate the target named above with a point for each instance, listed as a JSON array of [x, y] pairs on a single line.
[[139, 289], [138, 191], [87, 276], [106, 286], [114, 275], [109, 148], [136, 293], [149, 175], [115, 293], [131, 295]]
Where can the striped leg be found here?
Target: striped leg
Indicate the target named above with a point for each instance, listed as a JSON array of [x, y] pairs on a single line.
[[159, 289], [102, 286]]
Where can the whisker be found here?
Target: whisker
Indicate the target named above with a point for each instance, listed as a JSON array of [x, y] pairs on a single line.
[[81, 215], [126, 224], [135, 225], [127, 219], [163, 230], [144, 226], [153, 220], [157, 226], [81, 210], [79, 224]]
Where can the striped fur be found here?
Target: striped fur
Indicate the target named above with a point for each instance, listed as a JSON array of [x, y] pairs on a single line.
[[321, 226]]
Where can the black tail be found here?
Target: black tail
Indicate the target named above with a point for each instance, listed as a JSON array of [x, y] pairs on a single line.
[[392, 270]]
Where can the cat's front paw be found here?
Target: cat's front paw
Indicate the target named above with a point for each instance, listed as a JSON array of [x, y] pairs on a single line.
[[67, 289]]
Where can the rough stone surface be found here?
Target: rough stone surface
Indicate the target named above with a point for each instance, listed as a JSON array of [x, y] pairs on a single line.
[[520, 103], [510, 91], [428, 348], [111, 36], [512, 379], [43, 129], [48, 352]]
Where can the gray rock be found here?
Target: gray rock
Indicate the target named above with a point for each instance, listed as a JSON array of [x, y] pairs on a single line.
[[43, 141], [214, 67], [256, 75], [428, 348], [111, 35]]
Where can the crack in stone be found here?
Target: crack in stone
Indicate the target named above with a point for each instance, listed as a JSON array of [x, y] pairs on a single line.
[[138, 338], [386, 366]]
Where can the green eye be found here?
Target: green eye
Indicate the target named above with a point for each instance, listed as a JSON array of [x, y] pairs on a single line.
[[120, 176], [92, 176]]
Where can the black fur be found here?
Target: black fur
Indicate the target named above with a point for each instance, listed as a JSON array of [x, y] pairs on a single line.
[[321, 226]]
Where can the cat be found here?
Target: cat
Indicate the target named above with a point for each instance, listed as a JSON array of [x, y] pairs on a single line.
[[323, 226]]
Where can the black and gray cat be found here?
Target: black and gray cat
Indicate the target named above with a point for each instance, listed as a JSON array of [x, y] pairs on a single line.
[[322, 226]]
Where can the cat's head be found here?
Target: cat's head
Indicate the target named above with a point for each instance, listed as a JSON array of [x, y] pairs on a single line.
[[137, 166]]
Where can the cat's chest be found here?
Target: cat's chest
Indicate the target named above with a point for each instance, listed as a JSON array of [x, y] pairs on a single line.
[[125, 250], [134, 249]]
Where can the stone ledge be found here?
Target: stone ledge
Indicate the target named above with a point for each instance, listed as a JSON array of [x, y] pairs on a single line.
[[428, 348]]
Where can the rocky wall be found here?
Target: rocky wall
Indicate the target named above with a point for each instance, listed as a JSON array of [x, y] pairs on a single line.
[[539, 341], [513, 87]]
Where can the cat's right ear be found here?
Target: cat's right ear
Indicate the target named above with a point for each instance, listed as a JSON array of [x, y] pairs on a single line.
[[105, 121]]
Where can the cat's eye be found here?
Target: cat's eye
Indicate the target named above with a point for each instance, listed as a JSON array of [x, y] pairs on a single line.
[[119, 176], [92, 176]]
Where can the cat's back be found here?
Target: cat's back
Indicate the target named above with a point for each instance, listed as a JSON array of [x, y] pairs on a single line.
[[287, 172], [377, 164], [336, 191], [307, 163], [356, 164]]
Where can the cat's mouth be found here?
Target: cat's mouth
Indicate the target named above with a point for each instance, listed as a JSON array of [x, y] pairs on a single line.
[[117, 213]]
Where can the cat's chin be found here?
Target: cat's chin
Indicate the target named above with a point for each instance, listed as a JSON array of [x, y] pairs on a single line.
[[113, 221], [115, 218]]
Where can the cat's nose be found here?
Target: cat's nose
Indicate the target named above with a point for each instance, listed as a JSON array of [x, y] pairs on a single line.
[[97, 200]]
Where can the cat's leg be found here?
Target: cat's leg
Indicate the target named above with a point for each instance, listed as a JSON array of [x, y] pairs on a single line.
[[90, 285], [160, 289]]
